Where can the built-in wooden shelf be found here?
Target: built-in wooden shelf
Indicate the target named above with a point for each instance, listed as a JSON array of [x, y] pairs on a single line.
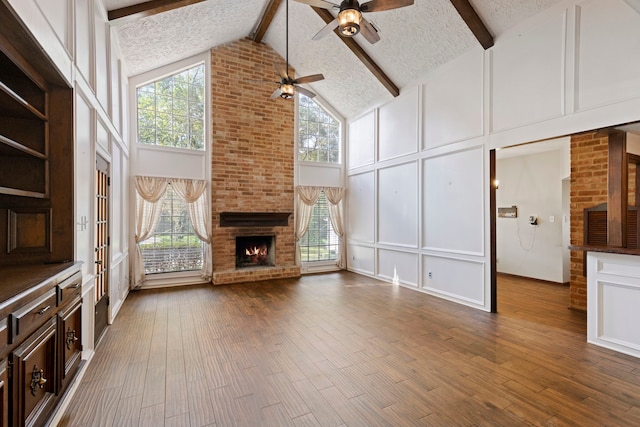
[[24, 162]]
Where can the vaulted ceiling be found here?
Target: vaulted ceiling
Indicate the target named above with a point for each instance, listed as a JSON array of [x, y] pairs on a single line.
[[414, 39]]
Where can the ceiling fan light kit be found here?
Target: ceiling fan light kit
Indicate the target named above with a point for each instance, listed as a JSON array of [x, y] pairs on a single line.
[[350, 21], [287, 90]]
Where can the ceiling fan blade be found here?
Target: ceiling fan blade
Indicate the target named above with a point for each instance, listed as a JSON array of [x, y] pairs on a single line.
[[380, 5], [326, 30], [319, 3], [276, 93], [281, 69], [309, 79], [305, 92], [368, 31]]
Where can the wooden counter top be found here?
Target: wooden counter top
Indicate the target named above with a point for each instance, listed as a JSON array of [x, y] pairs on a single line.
[[20, 281], [605, 249]]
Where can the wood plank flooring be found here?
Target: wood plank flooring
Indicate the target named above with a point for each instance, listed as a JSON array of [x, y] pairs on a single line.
[[346, 350]]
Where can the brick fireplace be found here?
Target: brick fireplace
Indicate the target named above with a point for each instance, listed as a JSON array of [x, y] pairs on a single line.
[[252, 162]]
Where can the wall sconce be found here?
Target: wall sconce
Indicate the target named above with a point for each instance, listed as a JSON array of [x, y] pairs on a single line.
[[496, 183]]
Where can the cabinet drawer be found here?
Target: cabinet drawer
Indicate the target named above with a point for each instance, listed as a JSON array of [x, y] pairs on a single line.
[[69, 288], [31, 316]]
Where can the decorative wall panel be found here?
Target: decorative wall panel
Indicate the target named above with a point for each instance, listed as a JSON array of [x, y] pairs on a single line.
[[528, 76], [361, 141], [453, 202], [452, 101], [361, 207], [398, 126], [398, 205]]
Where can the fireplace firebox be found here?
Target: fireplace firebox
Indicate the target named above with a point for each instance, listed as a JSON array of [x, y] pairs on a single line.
[[253, 251]]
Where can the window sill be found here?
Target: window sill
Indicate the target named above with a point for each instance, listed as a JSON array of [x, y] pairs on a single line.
[[166, 280], [318, 267]]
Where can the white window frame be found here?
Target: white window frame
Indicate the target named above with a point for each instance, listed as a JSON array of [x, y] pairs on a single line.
[[139, 152]]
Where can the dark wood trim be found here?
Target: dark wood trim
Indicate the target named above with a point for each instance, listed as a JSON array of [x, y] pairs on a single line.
[[637, 193], [145, 9], [265, 20], [633, 158], [361, 54], [254, 219], [473, 21], [617, 191], [492, 231]]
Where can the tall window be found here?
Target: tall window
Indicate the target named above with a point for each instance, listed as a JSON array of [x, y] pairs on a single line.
[[171, 110], [173, 246], [320, 243], [318, 133]]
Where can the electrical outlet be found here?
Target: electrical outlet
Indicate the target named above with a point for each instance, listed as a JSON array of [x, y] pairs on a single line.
[[430, 275]]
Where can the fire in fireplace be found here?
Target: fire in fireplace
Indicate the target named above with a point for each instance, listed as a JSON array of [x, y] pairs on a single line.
[[252, 251]]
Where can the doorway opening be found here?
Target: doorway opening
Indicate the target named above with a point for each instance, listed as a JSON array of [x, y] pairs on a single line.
[[530, 217]]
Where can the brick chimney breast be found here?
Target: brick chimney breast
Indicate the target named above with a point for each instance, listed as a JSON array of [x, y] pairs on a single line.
[[252, 165]]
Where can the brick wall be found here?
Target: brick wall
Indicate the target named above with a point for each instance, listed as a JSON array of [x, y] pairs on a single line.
[[589, 163], [252, 157]]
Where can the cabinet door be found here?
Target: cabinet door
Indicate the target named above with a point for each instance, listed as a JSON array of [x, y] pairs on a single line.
[[33, 380], [4, 394], [70, 327]]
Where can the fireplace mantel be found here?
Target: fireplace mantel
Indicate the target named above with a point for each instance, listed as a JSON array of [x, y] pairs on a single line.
[[254, 219]]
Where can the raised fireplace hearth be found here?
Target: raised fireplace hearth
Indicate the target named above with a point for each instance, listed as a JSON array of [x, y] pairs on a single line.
[[255, 251]]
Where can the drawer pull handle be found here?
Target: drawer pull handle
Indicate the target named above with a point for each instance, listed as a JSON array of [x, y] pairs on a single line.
[[37, 379], [76, 286], [43, 310], [71, 338]]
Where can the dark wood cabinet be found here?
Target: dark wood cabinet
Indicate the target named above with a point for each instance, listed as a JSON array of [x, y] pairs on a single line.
[[70, 342], [40, 288], [36, 152], [33, 379], [41, 323]]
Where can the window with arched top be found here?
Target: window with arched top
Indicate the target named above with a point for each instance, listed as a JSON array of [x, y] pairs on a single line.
[[171, 110]]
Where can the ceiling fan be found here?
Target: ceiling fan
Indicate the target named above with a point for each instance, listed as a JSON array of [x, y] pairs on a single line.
[[350, 20], [287, 85]]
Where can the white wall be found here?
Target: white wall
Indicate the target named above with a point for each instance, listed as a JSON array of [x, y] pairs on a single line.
[[78, 39], [533, 183], [563, 71]]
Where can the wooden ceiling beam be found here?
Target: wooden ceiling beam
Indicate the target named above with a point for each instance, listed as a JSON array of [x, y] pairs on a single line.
[[265, 20], [360, 54], [145, 9], [473, 21]]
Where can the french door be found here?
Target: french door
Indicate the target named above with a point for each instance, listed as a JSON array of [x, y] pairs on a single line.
[[101, 258]]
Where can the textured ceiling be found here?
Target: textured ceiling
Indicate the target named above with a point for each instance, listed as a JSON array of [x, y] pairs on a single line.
[[414, 40]]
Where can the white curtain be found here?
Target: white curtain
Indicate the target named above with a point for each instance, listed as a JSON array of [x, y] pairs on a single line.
[[305, 200], [149, 192], [335, 195], [193, 192]]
